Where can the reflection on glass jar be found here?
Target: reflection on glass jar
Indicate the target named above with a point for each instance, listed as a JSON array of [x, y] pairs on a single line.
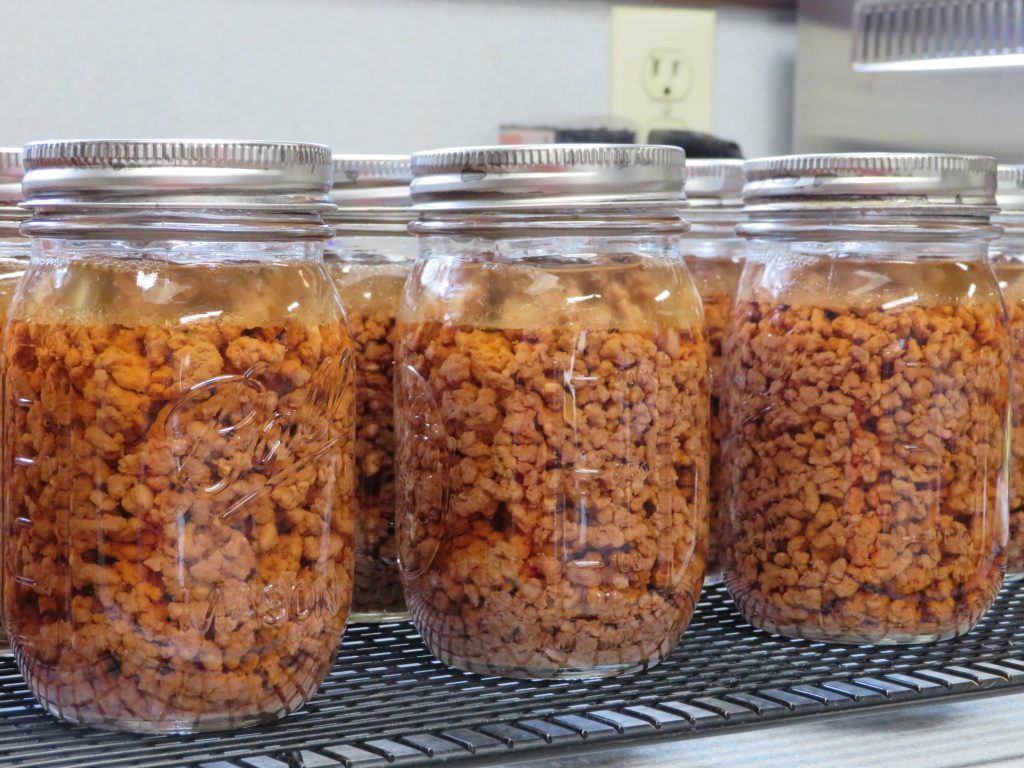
[[551, 418], [867, 363], [369, 259], [1007, 256], [179, 422], [14, 249], [714, 255]]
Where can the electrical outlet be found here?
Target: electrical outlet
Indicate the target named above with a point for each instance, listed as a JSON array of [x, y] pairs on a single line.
[[667, 75], [663, 67]]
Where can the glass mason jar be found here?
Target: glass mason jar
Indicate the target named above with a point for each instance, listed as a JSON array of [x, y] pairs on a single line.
[[551, 411], [14, 249], [178, 415], [369, 258], [1007, 256], [867, 364], [714, 254]]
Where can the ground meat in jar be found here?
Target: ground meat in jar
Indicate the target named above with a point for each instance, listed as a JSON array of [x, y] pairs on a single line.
[[716, 280], [371, 287], [865, 456], [378, 587], [716, 318], [11, 270], [179, 518], [552, 494], [1015, 549], [1011, 279]]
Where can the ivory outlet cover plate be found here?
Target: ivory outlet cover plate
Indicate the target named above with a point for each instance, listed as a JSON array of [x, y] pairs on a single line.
[[663, 67]]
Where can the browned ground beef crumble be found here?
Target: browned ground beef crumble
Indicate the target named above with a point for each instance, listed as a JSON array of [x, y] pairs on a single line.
[[179, 546], [864, 464], [552, 494]]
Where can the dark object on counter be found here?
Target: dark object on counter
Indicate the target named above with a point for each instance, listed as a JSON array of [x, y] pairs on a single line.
[[723, 676], [698, 144], [590, 130], [595, 136]]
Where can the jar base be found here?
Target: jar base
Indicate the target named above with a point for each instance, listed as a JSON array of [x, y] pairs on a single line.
[[171, 727], [378, 617], [555, 673], [712, 579], [813, 634]]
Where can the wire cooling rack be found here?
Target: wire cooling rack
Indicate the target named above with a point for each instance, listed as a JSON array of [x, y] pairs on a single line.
[[387, 701]]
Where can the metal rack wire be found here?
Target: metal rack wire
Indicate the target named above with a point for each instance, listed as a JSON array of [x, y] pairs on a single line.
[[387, 701]]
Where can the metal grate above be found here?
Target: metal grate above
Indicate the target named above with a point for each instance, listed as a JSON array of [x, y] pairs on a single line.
[[388, 701], [894, 35]]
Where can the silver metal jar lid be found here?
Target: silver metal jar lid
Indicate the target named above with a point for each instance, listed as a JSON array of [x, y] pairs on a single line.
[[507, 179], [177, 173], [369, 182], [714, 183], [372, 195], [114, 186], [1010, 188], [11, 173], [965, 183]]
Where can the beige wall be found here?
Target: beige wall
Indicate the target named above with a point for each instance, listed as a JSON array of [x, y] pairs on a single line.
[[361, 75]]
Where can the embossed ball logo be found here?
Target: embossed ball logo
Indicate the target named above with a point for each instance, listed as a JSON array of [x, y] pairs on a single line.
[[423, 455], [233, 432]]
